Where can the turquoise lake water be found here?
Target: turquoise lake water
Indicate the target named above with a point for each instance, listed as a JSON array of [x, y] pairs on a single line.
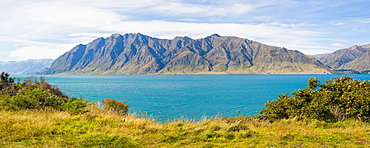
[[168, 97]]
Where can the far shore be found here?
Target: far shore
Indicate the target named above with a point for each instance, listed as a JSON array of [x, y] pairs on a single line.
[[201, 73]]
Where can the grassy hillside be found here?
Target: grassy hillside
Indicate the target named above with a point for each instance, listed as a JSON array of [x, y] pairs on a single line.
[[82, 124]]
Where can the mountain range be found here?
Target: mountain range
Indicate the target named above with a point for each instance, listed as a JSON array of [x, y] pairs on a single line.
[[215, 54], [30, 66], [141, 54], [355, 58]]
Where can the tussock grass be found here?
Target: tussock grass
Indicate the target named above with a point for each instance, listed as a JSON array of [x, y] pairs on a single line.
[[101, 128]]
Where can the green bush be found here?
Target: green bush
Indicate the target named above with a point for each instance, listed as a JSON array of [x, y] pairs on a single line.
[[338, 99], [237, 128], [36, 94], [35, 97], [75, 106]]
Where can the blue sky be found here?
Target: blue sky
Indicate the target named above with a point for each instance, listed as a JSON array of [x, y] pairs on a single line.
[[33, 29]]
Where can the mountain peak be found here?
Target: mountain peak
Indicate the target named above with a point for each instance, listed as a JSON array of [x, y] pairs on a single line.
[[116, 35], [215, 35]]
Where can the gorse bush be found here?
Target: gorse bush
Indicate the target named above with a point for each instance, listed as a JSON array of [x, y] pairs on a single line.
[[338, 99], [36, 94], [116, 106]]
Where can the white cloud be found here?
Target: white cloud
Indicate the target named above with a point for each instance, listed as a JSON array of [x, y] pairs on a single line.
[[39, 51], [28, 49], [339, 23], [46, 18], [177, 8], [37, 29], [290, 25], [339, 45], [73, 15], [4, 2], [288, 37]]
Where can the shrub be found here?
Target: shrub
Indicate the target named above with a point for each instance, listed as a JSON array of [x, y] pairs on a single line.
[[51, 88], [36, 94], [75, 106], [339, 98], [237, 128], [116, 106], [31, 97]]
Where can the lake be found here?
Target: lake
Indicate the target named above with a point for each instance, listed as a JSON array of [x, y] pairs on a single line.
[[168, 97]]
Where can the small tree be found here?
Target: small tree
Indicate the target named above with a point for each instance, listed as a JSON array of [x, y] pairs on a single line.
[[7, 85]]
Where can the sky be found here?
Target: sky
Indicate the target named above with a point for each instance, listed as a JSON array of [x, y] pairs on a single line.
[[35, 29]]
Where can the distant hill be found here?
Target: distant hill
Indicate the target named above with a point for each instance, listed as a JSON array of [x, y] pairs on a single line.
[[31, 66], [142, 54], [353, 58]]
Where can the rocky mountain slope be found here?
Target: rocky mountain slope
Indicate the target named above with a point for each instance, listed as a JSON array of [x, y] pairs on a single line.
[[30, 66], [141, 54], [354, 58]]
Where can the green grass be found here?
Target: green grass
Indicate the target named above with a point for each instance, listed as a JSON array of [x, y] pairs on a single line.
[[100, 128]]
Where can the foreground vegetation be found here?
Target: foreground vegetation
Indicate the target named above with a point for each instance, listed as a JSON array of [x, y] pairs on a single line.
[[50, 128], [88, 125], [338, 99]]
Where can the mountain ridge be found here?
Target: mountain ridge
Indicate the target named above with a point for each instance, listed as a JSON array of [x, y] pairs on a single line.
[[141, 54], [355, 58], [30, 66]]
